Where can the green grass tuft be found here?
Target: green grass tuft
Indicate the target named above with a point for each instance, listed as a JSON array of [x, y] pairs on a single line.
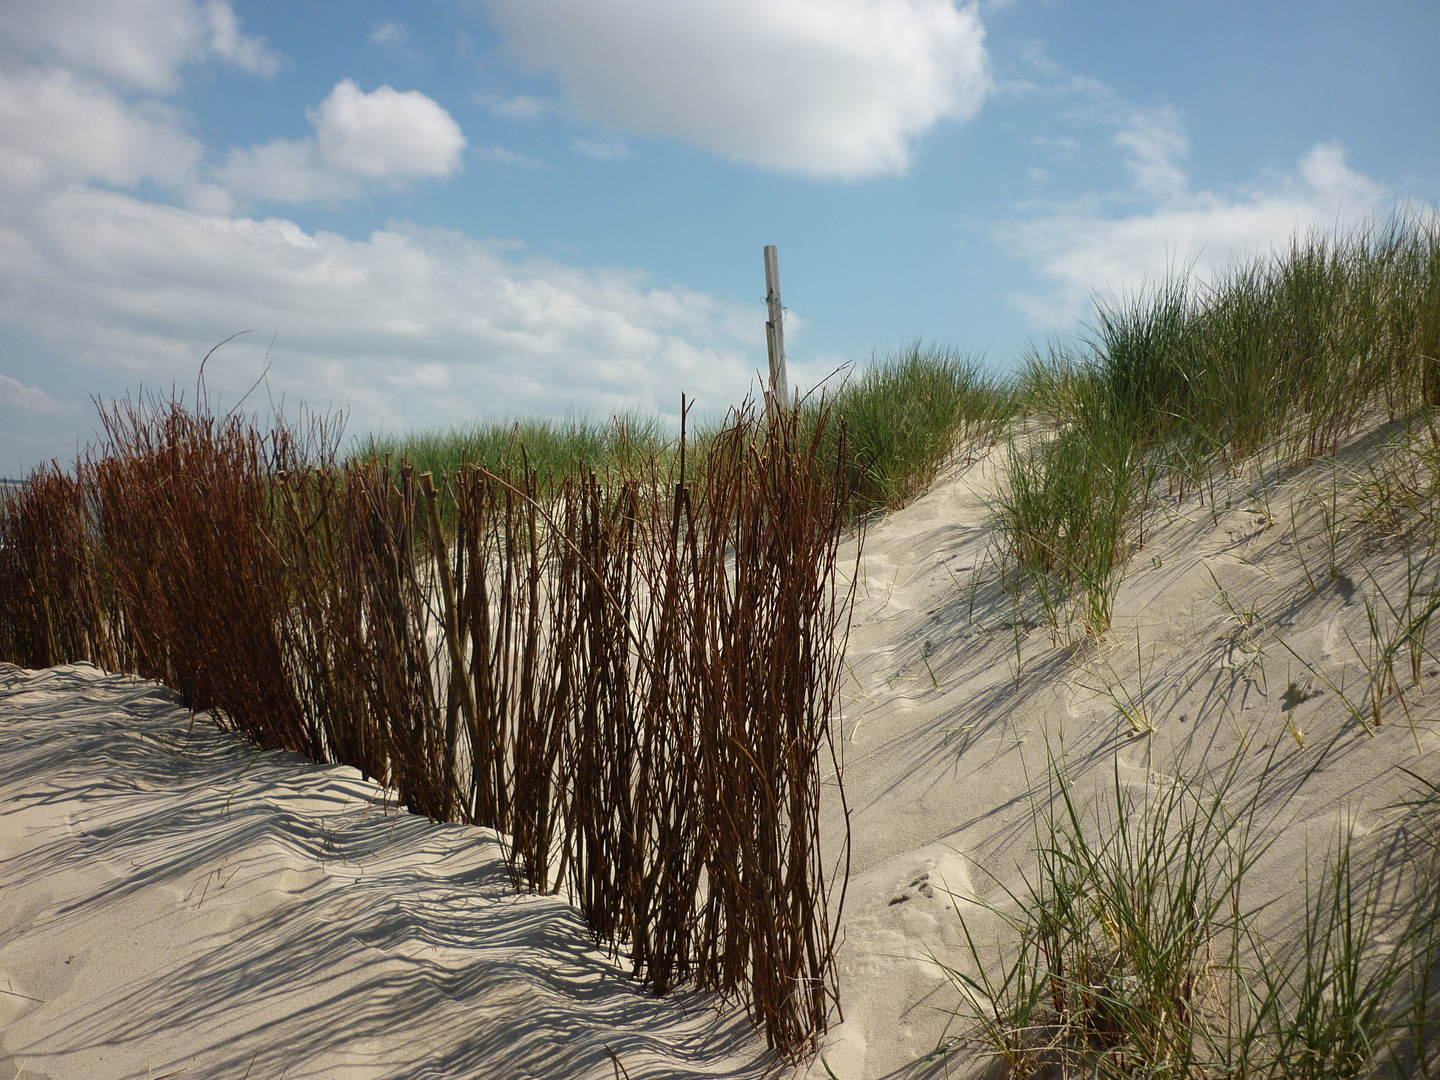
[[1130, 950], [905, 414], [1282, 359]]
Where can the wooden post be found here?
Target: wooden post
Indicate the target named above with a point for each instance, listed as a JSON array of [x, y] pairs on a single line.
[[775, 332]]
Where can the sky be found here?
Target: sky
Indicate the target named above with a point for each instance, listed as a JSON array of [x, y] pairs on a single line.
[[432, 213]]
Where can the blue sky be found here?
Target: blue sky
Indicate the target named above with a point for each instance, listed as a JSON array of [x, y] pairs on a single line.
[[430, 213]]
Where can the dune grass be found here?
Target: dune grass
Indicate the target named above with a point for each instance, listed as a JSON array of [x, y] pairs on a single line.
[[1291, 349], [902, 416], [1119, 934], [1133, 949], [1278, 361], [554, 449]]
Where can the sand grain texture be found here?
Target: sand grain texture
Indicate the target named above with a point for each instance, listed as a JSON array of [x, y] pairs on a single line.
[[947, 754], [173, 902]]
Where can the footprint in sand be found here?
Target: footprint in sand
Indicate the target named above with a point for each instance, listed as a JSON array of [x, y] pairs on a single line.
[[920, 886]]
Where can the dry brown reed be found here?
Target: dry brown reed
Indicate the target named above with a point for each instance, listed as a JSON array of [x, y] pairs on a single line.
[[182, 503], [54, 604], [630, 677]]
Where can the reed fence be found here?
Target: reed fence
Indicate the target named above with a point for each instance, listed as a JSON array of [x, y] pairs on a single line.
[[630, 678]]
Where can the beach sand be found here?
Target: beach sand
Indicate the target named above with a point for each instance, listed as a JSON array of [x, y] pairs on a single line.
[[947, 755], [176, 903], [173, 900]]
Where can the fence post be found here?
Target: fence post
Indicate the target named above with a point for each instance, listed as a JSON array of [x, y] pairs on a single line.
[[779, 395]]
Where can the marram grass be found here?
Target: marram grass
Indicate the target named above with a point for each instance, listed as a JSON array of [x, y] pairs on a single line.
[[1131, 949], [1278, 361], [555, 449], [902, 416]]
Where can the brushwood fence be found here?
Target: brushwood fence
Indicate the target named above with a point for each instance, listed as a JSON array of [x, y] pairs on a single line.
[[630, 678]]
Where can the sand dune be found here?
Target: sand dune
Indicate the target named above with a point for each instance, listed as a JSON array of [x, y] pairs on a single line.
[[175, 903], [947, 752], [173, 900]]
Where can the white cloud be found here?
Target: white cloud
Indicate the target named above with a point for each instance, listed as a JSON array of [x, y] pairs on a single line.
[[248, 53], [57, 127], [409, 327], [137, 44], [502, 156], [1113, 243], [1156, 143], [826, 88], [386, 135], [15, 396], [284, 170], [36, 427], [1086, 252], [519, 107], [610, 149], [389, 33]]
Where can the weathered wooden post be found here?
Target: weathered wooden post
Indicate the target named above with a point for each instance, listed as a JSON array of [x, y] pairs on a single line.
[[779, 396]]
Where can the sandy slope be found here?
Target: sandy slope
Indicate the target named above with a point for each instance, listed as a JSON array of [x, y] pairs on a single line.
[[169, 899], [174, 903], [947, 752]]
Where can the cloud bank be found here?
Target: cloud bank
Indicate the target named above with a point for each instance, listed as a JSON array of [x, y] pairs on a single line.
[[123, 256], [1085, 249], [134, 44], [822, 88], [60, 126], [410, 326]]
